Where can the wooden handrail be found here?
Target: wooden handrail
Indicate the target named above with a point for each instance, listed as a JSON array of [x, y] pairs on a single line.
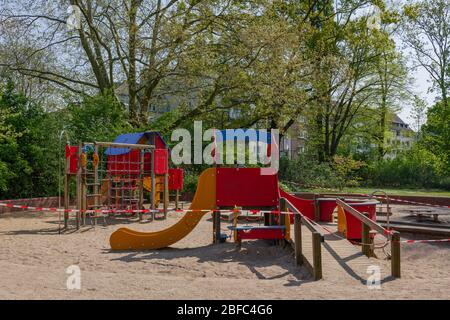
[[367, 224], [311, 225], [317, 238], [366, 220]]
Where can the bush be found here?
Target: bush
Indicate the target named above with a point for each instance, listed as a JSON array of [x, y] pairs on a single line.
[[306, 172], [415, 168]]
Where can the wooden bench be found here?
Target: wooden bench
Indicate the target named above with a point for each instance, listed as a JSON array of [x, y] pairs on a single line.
[[421, 213]]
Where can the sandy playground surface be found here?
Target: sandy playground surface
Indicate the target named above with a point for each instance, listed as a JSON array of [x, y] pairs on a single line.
[[34, 258]]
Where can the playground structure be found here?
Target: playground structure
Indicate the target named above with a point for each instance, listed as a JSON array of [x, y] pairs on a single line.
[[245, 189], [221, 189], [131, 176], [117, 176]]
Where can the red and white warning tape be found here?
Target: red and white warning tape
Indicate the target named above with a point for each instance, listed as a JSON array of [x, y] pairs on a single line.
[[407, 201], [106, 211], [425, 241], [42, 209]]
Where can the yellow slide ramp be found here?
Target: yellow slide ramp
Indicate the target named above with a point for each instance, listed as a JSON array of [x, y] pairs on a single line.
[[204, 199], [148, 186]]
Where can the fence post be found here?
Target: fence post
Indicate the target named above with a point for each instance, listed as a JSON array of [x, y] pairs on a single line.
[[67, 179], [317, 255], [216, 226], [79, 189], [298, 239], [366, 240], [395, 254]]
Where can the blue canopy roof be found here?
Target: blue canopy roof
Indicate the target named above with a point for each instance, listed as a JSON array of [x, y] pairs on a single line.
[[244, 135], [132, 138]]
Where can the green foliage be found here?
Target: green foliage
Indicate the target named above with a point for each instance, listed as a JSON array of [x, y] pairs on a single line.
[[415, 168], [307, 172], [190, 182], [98, 118], [31, 150], [436, 133], [29, 147]]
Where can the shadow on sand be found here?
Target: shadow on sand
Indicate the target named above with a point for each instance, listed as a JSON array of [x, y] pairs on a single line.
[[255, 255]]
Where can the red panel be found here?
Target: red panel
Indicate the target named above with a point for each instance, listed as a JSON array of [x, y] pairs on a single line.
[[176, 179], [305, 206], [354, 226], [72, 153], [161, 161], [326, 209], [246, 187], [128, 163], [261, 233], [159, 143]]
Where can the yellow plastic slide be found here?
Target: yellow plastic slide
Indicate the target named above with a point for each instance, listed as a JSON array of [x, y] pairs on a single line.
[[148, 186], [204, 198]]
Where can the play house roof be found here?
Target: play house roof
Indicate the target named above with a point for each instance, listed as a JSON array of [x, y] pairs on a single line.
[[134, 138]]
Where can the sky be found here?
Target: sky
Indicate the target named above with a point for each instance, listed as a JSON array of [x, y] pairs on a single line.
[[421, 87]]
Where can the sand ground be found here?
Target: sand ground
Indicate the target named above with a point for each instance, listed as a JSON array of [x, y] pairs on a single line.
[[34, 259]]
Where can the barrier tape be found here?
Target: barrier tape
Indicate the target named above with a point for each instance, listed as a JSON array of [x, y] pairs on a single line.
[[42, 209], [424, 241]]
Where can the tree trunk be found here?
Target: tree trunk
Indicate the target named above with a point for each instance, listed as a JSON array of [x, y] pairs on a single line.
[[382, 127], [132, 38]]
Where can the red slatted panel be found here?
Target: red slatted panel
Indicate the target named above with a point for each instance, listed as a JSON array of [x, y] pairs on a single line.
[[246, 187]]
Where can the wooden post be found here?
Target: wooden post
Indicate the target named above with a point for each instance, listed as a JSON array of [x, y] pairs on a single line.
[[316, 208], [317, 255], [66, 200], [395, 254], [366, 247], [84, 199], [166, 194], [177, 199], [79, 189], [141, 184], [216, 227], [96, 186], [298, 239], [153, 182], [66, 193]]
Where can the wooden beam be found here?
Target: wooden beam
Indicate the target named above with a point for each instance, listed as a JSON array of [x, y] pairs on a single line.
[[312, 226], [366, 240], [79, 189], [298, 239], [123, 145], [395, 254], [317, 255], [141, 183], [166, 194]]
